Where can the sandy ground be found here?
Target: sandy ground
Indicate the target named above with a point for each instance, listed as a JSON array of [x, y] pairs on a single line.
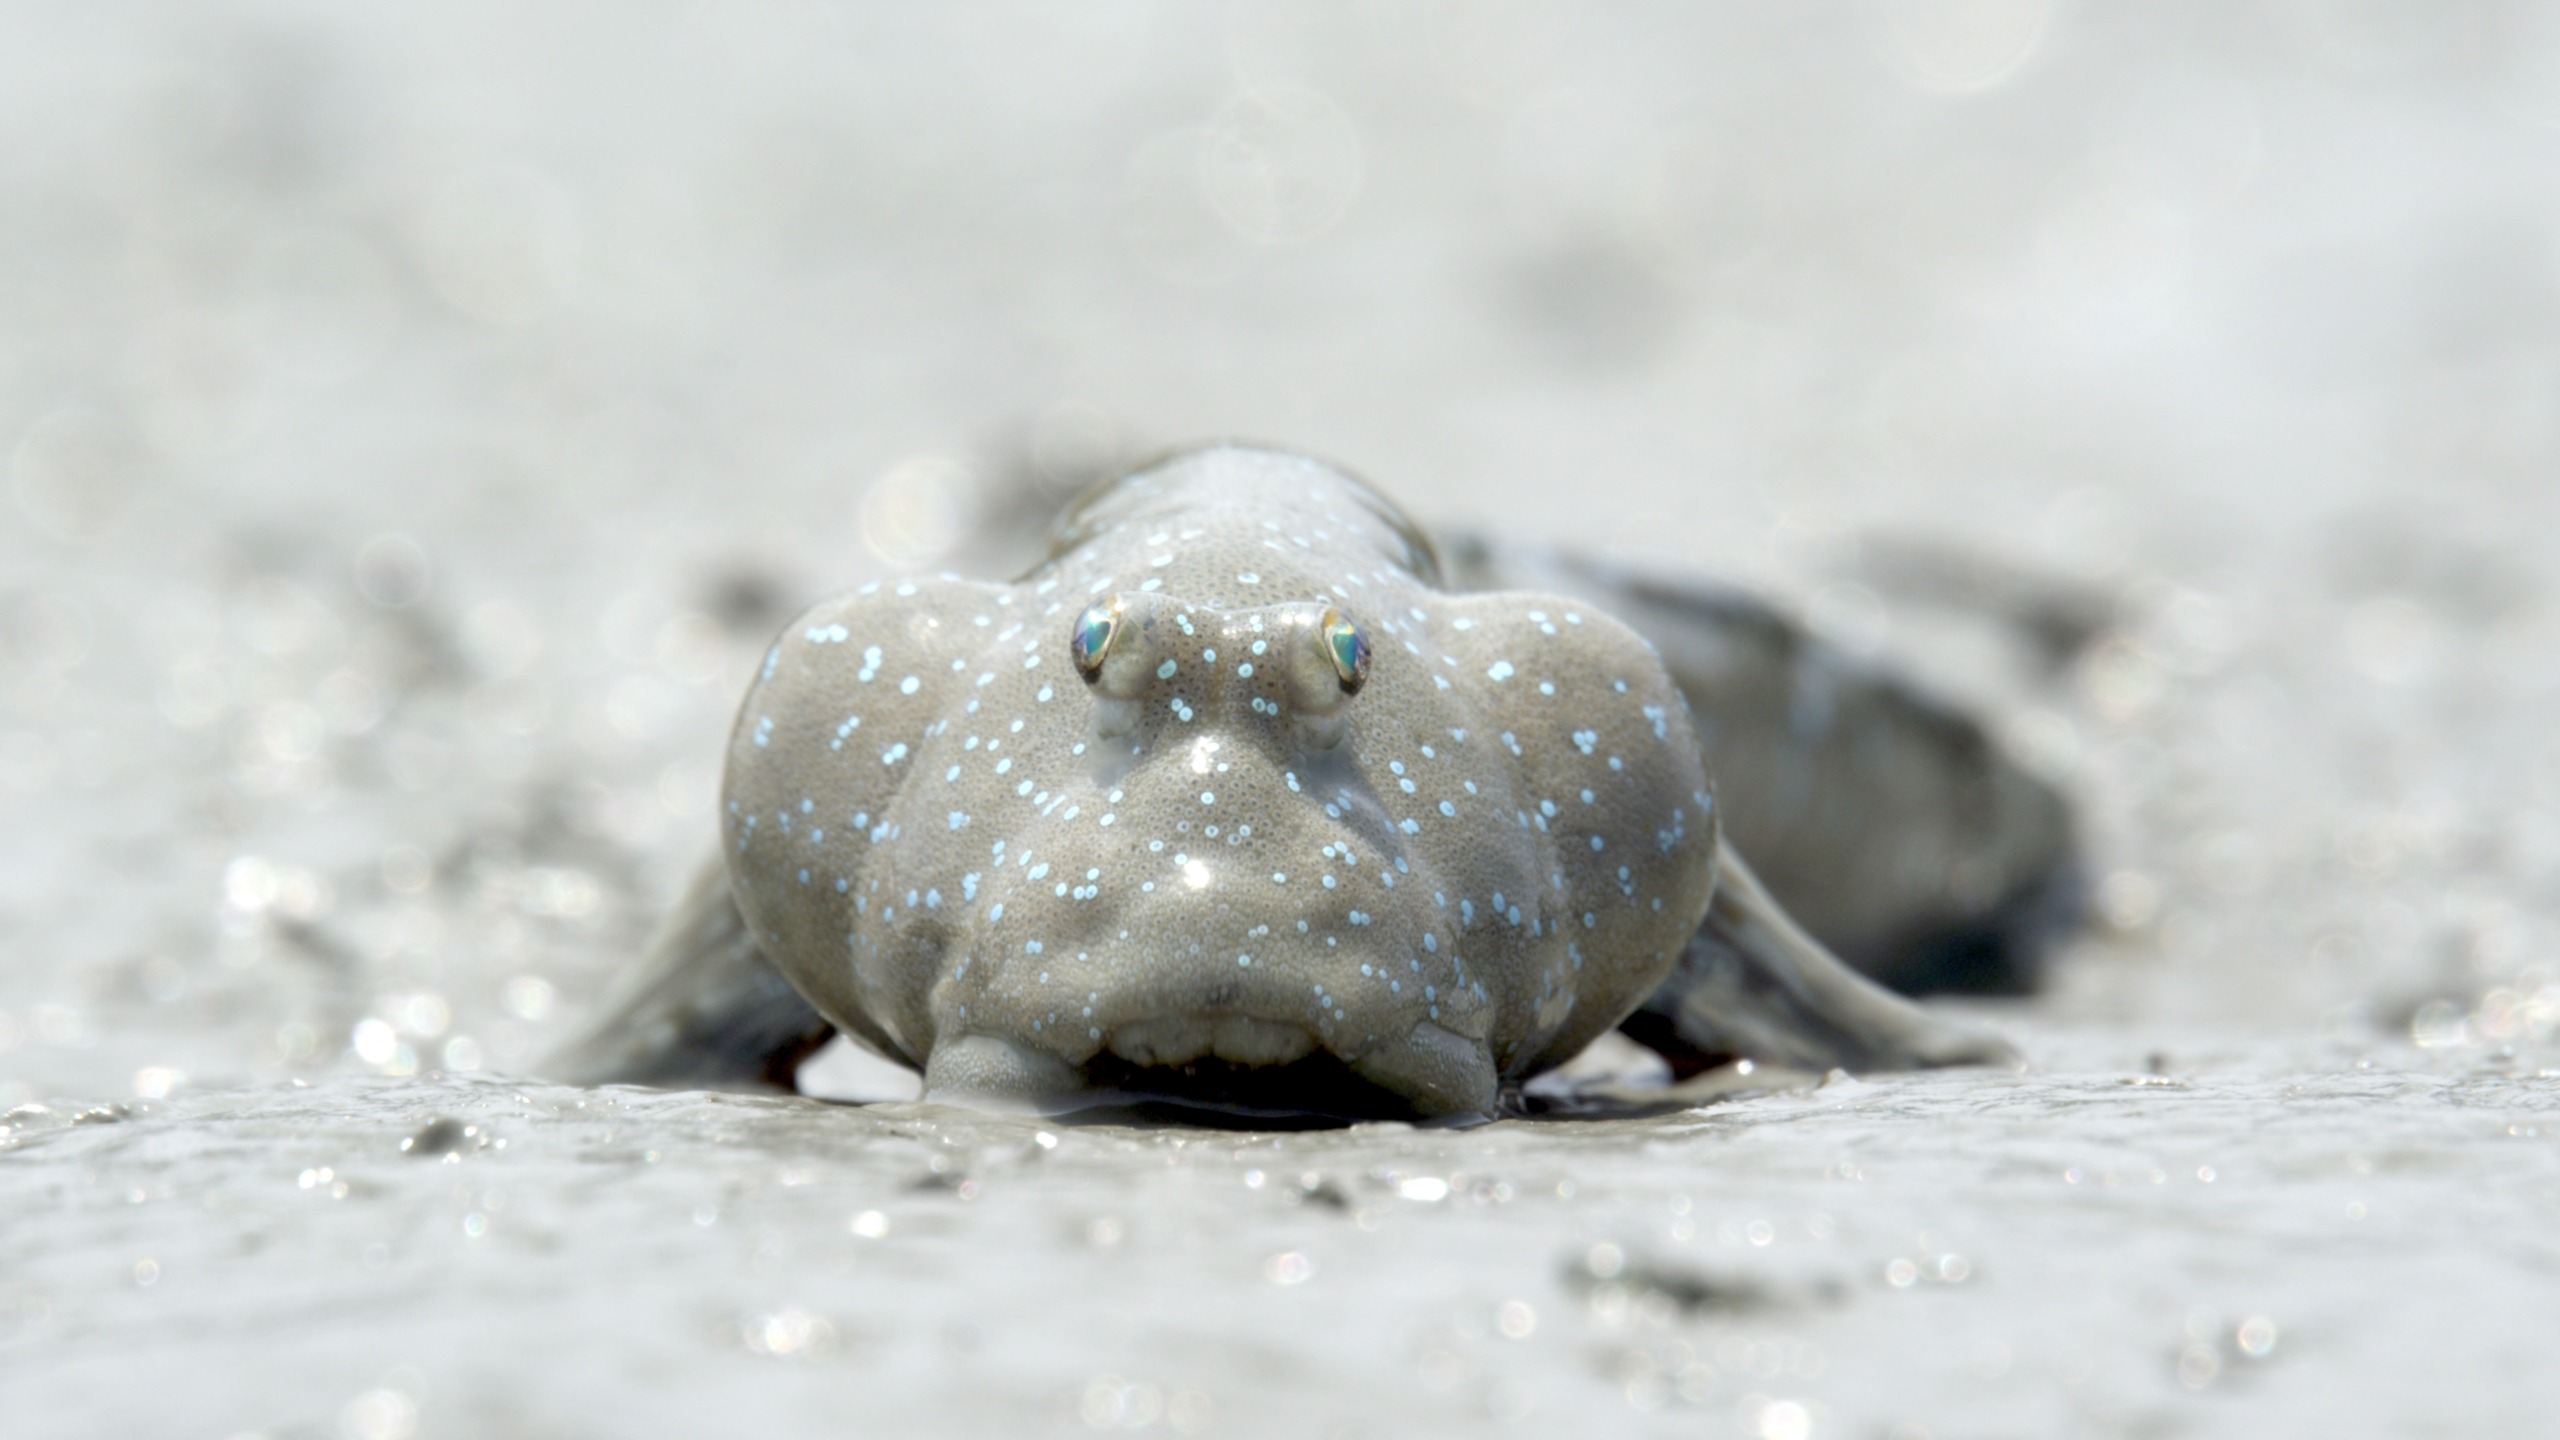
[[412, 421]]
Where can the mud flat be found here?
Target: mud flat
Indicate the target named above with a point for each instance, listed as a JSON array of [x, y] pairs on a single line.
[[413, 424]]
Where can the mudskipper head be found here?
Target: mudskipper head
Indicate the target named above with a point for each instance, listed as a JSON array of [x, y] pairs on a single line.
[[1224, 793]]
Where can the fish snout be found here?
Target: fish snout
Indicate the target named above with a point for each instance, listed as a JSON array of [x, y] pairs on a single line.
[[1176, 1019]]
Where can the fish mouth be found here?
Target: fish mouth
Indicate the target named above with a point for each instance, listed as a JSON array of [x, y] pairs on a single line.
[[1316, 1090], [1213, 1062], [1289, 1026], [1172, 1041], [1230, 1068]]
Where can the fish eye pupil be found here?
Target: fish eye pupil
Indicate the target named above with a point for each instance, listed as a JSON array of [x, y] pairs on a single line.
[[1348, 647], [1091, 640]]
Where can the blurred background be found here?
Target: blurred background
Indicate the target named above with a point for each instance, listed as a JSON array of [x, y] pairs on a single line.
[[412, 418]]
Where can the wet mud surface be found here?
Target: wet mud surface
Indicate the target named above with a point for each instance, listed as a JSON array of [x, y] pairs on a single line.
[[2090, 1247]]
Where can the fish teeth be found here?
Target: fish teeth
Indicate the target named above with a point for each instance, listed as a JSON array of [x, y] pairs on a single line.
[[1236, 1039], [1246, 1040], [1163, 1040]]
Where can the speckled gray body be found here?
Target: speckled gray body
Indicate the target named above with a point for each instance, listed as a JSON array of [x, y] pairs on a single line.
[[1463, 873], [1209, 856]]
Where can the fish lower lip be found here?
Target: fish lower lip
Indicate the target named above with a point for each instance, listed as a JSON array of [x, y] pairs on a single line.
[[1228, 1062], [1437, 1072]]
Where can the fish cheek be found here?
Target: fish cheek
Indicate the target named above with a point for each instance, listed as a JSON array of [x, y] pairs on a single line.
[[827, 746], [1607, 766]]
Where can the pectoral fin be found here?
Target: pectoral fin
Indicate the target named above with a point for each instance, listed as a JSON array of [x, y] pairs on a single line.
[[704, 1009], [1753, 985]]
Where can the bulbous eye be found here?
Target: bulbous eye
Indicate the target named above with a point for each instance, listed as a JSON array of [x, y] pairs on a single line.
[[1095, 629], [1348, 648]]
